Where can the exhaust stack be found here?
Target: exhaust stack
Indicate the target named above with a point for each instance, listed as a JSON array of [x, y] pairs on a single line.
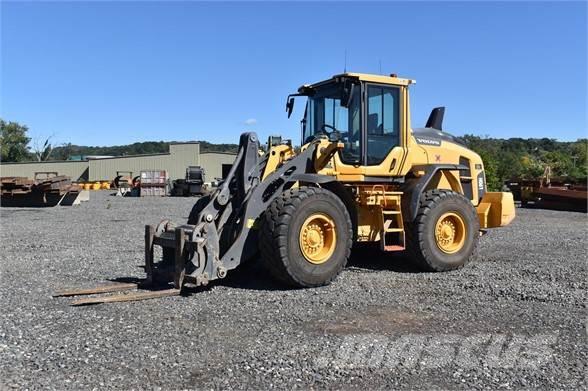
[[436, 118]]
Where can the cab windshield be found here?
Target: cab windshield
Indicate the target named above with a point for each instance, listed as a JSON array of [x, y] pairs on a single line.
[[324, 115]]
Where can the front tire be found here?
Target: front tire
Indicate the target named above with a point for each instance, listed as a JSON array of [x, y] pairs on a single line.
[[306, 237], [445, 233]]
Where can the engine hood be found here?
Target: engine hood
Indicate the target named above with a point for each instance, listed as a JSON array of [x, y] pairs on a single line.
[[433, 137]]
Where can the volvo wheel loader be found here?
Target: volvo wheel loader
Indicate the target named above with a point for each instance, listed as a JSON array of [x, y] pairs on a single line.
[[362, 174]]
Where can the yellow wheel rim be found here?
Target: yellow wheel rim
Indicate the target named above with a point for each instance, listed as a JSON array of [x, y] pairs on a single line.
[[318, 238], [450, 232]]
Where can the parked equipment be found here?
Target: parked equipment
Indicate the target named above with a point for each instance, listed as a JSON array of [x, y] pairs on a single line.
[[362, 175], [192, 184], [153, 183], [122, 179], [123, 182], [46, 189], [550, 193]]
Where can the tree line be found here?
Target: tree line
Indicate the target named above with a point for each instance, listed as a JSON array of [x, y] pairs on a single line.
[[16, 147], [506, 159], [503, 159], [66, 151]]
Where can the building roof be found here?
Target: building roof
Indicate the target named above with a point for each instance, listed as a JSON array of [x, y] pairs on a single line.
[[132, 156], [43, 162]]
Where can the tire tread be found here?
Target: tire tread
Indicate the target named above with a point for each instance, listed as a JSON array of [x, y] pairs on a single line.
[[274, 234], [415, 231]]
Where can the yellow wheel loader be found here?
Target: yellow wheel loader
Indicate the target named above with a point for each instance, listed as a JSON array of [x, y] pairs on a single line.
[[363, 174]]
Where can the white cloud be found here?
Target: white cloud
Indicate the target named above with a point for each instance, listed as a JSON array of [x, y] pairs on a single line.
[[250, 122]]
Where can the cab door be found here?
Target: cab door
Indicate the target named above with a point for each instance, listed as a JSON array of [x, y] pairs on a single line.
[[376, 138], [384, 125]]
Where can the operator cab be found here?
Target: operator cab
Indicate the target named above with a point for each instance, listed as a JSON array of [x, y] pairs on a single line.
[[364, 112]]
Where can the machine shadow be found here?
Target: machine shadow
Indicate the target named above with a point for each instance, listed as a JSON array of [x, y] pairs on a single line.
[[369, 257], [364, 259]]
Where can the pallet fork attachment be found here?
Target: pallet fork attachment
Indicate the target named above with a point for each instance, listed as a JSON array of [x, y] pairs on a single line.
[[111, 288]]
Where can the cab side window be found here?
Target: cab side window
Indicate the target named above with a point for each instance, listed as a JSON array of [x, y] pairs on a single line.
[[383, 122]]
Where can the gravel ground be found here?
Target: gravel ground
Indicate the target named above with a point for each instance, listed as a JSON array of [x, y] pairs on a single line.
[[515, 318]]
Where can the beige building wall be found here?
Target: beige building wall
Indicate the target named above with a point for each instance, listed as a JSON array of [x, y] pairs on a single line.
[[180, 156], [213, 162], [77, 170], [106, 169]]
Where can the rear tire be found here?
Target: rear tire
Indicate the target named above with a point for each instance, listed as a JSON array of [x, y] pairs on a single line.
[[445, 233], [306, 237]]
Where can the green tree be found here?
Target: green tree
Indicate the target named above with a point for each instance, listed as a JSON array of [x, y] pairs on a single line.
[[509, 166], [63, 152], [579, 154], [13, 142], [531, 167], [493, 182], [561, 163]]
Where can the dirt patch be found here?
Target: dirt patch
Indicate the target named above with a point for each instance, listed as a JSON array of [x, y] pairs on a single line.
[[374, 320]]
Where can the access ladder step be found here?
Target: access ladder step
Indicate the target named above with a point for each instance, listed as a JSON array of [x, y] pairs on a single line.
[[392, 236], [394, 248]]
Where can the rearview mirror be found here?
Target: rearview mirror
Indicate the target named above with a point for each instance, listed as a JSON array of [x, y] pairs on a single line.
[[290, 106]]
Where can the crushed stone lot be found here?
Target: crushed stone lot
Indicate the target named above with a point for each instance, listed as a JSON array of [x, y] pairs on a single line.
[[514, 318]]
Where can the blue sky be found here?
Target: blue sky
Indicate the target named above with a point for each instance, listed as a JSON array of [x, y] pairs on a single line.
[[106, 73]]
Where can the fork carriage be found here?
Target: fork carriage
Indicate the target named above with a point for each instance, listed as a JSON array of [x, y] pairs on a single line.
[[179, 246]]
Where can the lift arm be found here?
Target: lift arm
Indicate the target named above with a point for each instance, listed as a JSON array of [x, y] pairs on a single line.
[[225, 233]]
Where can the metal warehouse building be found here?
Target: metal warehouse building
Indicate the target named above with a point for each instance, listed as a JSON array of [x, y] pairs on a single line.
[[180, 156]]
